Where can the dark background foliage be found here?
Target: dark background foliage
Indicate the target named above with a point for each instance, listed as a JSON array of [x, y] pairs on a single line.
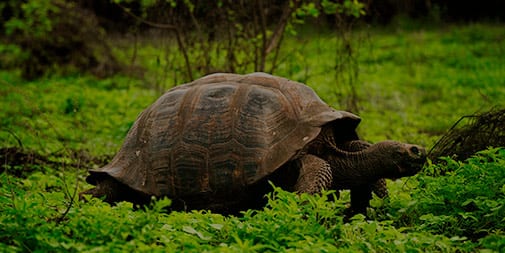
[[71, 35]]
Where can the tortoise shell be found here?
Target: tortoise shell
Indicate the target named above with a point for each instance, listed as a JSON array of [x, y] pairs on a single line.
[[220, 133]]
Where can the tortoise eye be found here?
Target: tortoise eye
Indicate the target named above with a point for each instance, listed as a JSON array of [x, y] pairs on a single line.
[[414, 150]]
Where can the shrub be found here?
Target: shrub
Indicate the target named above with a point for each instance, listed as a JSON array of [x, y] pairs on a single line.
[[468, 201], [55, 35]]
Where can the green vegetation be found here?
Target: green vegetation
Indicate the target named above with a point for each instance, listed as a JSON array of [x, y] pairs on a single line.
[[459, 212], [412, 86]]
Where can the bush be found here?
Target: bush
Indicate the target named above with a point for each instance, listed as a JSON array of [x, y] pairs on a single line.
[[54, 35], [467, 202]]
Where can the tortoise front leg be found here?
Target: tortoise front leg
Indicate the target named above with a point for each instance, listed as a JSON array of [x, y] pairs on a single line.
[[315, 175], [360, 199], [380, 188]]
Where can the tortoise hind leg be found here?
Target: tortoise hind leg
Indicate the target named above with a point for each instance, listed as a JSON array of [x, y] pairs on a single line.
[[106, 187], [114, 191]]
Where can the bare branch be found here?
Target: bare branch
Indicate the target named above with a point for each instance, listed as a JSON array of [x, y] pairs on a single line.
[[147, 22], [174, 28], [288, 10]]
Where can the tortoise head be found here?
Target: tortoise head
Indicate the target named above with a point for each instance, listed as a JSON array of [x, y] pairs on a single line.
[[400, 159]]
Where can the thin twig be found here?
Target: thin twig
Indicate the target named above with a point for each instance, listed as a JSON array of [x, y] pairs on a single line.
[[72, 198], [281, 25], [147, 22], [174, 28], [448, 131], [18, 140]]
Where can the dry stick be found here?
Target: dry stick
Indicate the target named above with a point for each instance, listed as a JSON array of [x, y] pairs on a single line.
[[263, 26], [255, 31], [277, 36], [478, 125], [231, 42], [275, 41], [69, 206], [174, 28], [281, 25], [276, 55], [184, 53], [205, 46], [450, 129], [67, 193], [135, 49]]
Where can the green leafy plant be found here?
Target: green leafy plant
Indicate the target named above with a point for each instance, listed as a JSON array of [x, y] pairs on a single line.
[[467, 202]]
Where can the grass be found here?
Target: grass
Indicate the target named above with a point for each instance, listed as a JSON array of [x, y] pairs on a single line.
[[71, 112], [413, 85]]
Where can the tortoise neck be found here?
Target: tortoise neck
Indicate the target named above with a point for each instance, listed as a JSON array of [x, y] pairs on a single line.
[[368, 164]]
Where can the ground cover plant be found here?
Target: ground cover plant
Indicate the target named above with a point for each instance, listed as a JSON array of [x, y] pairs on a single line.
[[413, 85]]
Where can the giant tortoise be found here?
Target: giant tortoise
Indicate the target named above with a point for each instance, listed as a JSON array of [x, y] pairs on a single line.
[[216, 143]]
